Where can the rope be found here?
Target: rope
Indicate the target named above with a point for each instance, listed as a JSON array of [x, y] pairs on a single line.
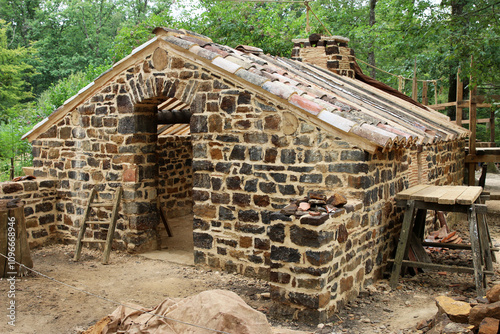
[[115, 302], [394, 75], [306, 3]]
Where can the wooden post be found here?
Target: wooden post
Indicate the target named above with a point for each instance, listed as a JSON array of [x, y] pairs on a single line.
[[435, 92], [460, 97], [414, 87], [425, 99], [492, 126], [15, 247], [11, 168], [472, 128]]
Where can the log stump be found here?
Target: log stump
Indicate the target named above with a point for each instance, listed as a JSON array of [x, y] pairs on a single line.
[[13, 239]]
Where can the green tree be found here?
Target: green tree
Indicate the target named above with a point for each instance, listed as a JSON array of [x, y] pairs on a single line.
[[14, 72]]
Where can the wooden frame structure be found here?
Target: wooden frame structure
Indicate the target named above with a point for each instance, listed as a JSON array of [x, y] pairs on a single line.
[[477, 152]]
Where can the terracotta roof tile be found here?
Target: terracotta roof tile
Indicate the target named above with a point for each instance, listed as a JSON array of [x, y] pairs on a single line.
[[307, 105], [226, 64], [279, 89]]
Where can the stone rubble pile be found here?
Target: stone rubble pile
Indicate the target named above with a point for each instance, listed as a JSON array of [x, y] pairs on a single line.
[[315, 204], [482, 316]]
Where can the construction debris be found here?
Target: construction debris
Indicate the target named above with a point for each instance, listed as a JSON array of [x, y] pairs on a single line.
[[314, 204]]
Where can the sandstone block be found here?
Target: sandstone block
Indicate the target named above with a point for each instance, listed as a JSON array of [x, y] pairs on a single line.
[[457, 311], [493, 294], [489, 326], [481, 311]]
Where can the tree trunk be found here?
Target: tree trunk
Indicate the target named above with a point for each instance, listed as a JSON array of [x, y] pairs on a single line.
[[371, 54]]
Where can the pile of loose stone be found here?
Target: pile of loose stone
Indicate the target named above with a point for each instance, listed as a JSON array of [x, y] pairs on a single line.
[[456, 317], [315, 204]]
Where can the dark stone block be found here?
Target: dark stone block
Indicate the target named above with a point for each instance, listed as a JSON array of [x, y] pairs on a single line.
[[314, 220], [216, 183], [201, 180], [276, 233], [228, 104], [244, 98], [48, 184], [353, 155], [44, 207], [227, 242], [279, 177], [238, 153], [233, 183], [277, 277], [271, 154], [202, 165], [198, 124], [246, 169], [251, 185], [255, 153], [250, 228], [311, 178], [200, 196], [310, 270], [287, 189], [39, 233], [261, 200], [251, 216], [241, 199], [226, 214], [288, 156], [310, 238], [46, 219], [202, 240], [267, 187], [300, 169], [285, 254], [9, 188], [218, 198], [319, 258], [263, 244], [28, 211], [342, 234], [199, 224], [280, 141], [124, 105], [199, 257], [351, 168], [255, 259], [223, 167], [279, 216], [255, 137], [312, 156], [228, 139]]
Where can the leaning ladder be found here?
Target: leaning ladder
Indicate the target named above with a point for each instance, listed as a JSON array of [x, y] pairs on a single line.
[[111, 229]]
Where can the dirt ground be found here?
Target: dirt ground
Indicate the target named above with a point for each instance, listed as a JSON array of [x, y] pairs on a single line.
[[46, 306]]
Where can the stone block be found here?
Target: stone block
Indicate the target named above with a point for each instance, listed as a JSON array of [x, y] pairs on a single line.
[[250, 216], [202, 240], [11, 187], [319, 258], [481, 311], [285, 254], [493, 294], [261, 200], [238, 153], [276, 233], [457, 311], [310, 238], [241, 199], [489, 326], [314, 220]]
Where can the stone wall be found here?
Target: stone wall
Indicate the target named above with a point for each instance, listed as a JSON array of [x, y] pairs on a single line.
[[175, 181], [40, 208]]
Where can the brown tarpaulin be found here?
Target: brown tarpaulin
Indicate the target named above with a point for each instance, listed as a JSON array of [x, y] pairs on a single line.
[[216, 309]]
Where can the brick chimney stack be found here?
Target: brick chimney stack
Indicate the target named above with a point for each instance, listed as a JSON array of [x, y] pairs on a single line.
[[331, 53]]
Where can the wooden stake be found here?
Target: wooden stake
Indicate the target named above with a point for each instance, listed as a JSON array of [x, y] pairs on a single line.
[[414, 88], [425, 99], [460, 97]]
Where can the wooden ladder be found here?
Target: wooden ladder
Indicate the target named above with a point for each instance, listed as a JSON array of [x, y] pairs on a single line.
[[111, 229]]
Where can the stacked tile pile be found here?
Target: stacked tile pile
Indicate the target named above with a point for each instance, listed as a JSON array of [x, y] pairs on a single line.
[[315, 204]]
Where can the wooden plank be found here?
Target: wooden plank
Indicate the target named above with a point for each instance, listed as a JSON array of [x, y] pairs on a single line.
[[403, 244], [478, 121], [482, 158], [451, 195], [442, 267], [407, 193], [425, 99], [435, 193], [469, 196], [480, 208], [484, 240], [473, 119], [471, 167], [453, 246]]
